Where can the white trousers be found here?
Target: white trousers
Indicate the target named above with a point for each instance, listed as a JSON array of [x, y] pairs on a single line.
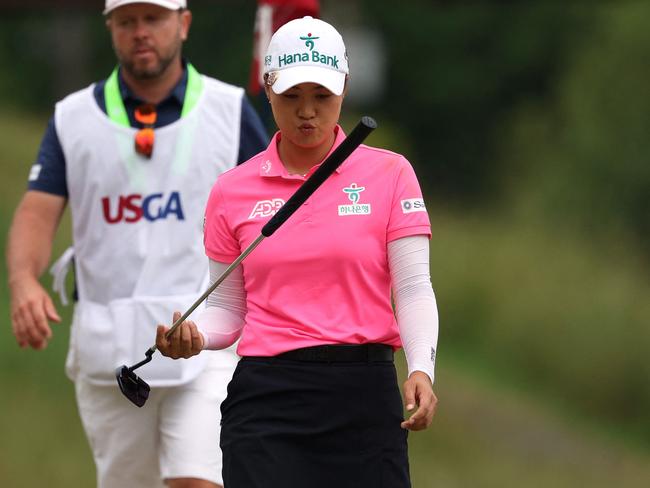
[[174, 435]]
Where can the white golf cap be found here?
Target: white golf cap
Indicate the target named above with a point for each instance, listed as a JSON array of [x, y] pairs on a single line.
[[170, 4], [306, 50]]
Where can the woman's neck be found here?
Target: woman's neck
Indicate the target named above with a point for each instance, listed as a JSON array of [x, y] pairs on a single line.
[[299, 160]]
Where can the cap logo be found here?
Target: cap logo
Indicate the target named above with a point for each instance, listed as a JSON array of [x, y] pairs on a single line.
[[286, 59], [309, 40]]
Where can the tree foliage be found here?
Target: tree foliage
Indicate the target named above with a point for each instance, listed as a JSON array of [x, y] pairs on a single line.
[[456, 72], [586, 149]]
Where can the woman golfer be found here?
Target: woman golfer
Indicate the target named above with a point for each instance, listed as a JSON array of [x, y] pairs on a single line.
[[314, 401]]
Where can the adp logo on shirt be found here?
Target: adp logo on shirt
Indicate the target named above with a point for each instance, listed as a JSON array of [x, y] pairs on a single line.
[[132, 208], [266, 208]]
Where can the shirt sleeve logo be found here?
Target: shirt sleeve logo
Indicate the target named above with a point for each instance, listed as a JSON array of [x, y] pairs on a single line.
[[413, 205], [354, 195], [34, 172]]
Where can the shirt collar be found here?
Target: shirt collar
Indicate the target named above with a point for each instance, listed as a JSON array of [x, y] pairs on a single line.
[[176, 95], [271, 164]]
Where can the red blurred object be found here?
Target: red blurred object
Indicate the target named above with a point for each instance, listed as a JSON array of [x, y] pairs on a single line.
[[271, 15], [144, 138]]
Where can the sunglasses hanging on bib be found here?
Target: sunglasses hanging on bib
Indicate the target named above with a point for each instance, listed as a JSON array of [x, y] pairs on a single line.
[[144, 138]]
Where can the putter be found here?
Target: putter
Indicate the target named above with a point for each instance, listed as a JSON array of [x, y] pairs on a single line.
[[135, 388]]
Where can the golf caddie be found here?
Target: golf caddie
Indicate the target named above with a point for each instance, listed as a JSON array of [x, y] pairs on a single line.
[[134, 156]]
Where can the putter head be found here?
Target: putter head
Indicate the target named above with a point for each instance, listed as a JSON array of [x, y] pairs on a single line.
[[133, 387]]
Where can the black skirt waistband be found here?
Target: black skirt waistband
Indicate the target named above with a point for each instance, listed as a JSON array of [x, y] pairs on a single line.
[[336, 353]]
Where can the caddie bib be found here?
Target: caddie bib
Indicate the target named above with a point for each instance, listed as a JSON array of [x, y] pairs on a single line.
[[137, 224]]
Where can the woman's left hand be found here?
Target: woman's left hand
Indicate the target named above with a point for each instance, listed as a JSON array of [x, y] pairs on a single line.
[[419, 392]]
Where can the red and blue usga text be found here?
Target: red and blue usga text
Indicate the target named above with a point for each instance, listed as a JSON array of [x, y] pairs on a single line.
[[131, 208]]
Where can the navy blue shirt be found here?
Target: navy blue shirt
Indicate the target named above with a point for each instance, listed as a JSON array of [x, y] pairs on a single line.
[[51, 177]]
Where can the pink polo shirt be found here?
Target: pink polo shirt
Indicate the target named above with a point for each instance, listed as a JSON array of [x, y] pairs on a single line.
[[322, 277]]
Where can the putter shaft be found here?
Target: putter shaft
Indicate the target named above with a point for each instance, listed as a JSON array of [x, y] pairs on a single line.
[[205, 295]]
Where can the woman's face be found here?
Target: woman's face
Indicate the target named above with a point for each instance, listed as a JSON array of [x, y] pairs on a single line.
[[306, 114]]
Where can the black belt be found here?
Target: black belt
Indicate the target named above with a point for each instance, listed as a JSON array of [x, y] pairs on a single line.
[[336, 353]]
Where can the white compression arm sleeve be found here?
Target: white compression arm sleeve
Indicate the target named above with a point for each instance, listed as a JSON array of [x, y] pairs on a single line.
[[415, 302], [222, 321]]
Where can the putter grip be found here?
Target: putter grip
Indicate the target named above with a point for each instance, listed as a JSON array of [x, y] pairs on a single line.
[[365, 126]]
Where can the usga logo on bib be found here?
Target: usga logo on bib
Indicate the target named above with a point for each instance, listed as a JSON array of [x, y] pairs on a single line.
[[132, 208], [354, 194]]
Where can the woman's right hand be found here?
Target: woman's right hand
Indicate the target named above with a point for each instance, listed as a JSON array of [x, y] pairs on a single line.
[[186, 341]]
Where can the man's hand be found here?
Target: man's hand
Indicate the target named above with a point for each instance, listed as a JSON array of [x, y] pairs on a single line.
[[31, 310], [29, 246], [186, 341], [418, 392]]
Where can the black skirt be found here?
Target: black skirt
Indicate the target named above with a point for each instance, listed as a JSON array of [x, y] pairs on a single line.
[[295, 424]]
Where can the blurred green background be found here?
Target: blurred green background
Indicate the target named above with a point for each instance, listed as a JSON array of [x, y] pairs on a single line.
[[527, 126]]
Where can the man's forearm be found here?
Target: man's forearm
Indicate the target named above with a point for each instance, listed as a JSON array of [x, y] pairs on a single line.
[[29, 244]]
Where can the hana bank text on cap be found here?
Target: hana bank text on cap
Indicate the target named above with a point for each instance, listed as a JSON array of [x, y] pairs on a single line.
[[306, 50], [111, 5]]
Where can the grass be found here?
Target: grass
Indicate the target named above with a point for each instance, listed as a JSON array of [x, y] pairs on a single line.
[[550, 314], [490, 435], [42, 442], [538, 332]]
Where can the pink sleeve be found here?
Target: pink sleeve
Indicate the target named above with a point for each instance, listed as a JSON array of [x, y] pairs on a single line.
[[408, 214], [218, 239]]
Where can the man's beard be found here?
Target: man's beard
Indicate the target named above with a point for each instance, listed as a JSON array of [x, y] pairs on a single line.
[[149, 73]]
